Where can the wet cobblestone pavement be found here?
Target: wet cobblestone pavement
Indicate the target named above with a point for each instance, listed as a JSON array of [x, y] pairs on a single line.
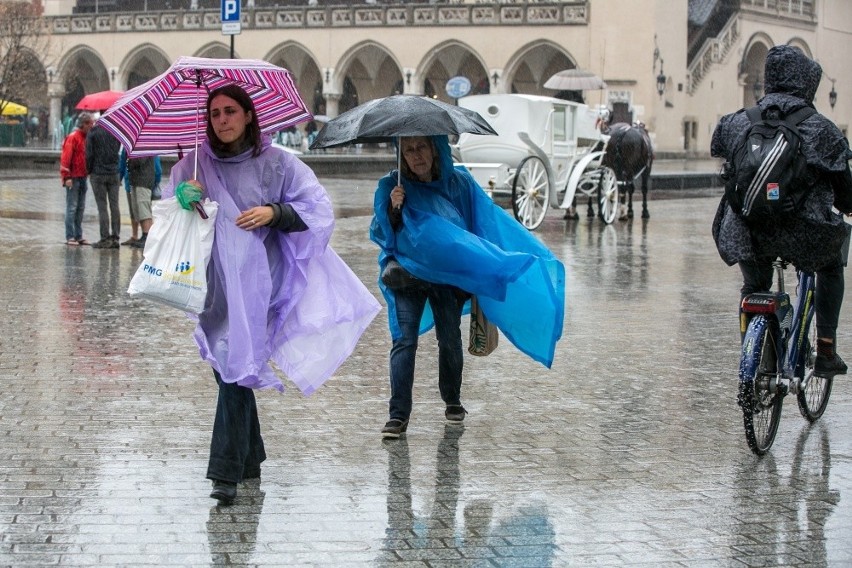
[[629, 451]]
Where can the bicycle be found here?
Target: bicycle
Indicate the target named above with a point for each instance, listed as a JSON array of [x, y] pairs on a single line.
[[777, 358]]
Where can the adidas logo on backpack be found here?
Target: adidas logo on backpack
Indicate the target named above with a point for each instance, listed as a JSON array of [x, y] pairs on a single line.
[[767, 175]]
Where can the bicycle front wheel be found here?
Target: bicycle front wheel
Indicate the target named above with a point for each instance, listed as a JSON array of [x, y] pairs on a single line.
[[813, 398], [760, 401]]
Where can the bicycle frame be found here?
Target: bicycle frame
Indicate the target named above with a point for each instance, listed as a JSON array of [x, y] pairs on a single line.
[[793, 323]]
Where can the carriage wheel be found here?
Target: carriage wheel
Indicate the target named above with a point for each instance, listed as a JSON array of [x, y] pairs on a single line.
[[607, 195], [530, 192]]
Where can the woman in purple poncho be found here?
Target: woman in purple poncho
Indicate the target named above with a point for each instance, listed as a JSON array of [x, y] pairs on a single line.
[[273, 226]]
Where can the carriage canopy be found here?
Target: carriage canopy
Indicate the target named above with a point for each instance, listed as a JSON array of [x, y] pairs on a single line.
[[557, 126]]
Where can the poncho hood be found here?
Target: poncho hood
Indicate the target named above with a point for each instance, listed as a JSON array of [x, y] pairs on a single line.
[[789, 71]]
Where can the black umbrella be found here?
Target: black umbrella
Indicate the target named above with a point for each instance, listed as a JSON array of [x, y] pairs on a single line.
[[382, 120]]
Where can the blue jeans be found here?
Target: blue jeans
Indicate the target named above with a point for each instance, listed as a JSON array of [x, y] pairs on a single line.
[[236, 447], [75, 205], [446, 308]]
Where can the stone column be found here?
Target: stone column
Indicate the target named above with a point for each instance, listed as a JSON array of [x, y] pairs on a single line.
[[331, 104], [55, 92]]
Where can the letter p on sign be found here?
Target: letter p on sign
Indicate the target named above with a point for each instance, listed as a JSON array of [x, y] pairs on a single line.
[[230, 10]]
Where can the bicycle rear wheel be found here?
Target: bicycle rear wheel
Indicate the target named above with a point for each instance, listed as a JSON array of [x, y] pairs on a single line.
[[813, 398], [761, 404]]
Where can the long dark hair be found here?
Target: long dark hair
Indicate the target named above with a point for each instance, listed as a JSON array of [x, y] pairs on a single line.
[[252, 133]]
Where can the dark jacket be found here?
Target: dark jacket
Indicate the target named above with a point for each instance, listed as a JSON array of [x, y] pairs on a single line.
[[812, 239], [141, 172], [102, 150]]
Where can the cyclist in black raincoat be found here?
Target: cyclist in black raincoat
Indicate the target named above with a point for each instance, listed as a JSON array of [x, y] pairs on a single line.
[[814, 238]]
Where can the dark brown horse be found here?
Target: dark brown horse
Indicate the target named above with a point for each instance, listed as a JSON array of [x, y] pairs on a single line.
[[630, 154]]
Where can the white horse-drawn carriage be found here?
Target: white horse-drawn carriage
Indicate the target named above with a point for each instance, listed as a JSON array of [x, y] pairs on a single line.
[[548, 150]]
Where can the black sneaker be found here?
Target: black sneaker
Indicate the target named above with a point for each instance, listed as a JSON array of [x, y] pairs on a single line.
[[455, 413], [224, 491], [140, 244], [826, 366], [103, 244], [394, 428]]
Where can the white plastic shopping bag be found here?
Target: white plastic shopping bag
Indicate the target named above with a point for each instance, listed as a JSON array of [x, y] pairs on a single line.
[[177, 249]]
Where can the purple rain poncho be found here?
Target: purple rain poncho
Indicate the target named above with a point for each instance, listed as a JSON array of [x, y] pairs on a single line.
[[273, 295]]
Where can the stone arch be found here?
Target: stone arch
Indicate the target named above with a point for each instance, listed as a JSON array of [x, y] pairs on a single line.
[[142, 64], [751, 67], [296, 58], [367, 71], [81, 71], [801, 44], [31, 81], [215, 50], [532, 65], [447, 60]]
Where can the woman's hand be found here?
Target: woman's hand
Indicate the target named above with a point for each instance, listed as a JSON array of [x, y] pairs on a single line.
[[255, 217], [187, 193], [397, 196]]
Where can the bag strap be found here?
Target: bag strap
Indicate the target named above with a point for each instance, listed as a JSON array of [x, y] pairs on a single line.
[[755, 115], [799, 116]]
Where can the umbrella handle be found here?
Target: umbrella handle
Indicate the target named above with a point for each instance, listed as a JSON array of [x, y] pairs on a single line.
[[200, 209]]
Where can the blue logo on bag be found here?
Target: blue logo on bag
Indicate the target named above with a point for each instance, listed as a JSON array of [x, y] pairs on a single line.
[[184, 267], [153, 270]]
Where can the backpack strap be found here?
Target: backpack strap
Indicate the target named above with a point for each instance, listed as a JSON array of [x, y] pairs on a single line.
[[754, 114], [799, 115]]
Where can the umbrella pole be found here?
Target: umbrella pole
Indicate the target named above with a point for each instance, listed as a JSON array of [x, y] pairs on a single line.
[[197, 104]]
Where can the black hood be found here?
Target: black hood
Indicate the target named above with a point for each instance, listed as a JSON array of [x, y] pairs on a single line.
[[789, 71]]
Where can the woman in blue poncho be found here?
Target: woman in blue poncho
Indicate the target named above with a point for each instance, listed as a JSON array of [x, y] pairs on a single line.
[[443, 239]]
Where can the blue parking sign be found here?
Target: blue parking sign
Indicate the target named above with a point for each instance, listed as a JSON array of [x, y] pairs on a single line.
[[230, 11], [230, 17]]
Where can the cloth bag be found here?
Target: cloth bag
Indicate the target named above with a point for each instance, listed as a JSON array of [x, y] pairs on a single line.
[[483, 333], [177, 250]]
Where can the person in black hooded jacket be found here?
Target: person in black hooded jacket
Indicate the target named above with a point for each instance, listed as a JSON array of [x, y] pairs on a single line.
[[813, 239]]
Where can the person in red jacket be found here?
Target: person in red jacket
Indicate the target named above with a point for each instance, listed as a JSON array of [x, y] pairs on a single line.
[[72, 168]]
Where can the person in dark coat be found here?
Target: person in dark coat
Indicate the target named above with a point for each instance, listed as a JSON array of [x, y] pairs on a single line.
[[102, 149], [813, 239]]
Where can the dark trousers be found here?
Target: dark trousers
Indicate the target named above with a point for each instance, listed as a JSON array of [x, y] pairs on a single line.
[[105, 190], [828, 295], [236, 446], [446, 309]]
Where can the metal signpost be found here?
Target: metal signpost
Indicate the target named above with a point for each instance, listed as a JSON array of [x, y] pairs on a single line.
[[231, 20]]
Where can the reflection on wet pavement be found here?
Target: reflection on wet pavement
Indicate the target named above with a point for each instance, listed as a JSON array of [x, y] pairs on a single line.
[[630, 450]]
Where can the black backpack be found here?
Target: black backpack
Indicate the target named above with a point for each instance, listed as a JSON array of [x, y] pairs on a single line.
[[767, 176]]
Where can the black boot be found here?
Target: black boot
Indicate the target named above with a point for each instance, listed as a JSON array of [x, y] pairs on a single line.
[[828, 362], [224, 491]]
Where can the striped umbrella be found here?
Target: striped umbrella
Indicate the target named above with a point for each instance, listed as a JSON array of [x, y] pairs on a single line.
[[168, 112]]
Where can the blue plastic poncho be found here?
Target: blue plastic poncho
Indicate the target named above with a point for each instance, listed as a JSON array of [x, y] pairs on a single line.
[[453, 233], [284, 297]]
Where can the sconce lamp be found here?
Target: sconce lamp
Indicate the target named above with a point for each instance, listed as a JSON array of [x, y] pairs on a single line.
[[661, 81], [327, 75], [408, 78], [494, 78], [832, 96], [50, 73], [112, 74]]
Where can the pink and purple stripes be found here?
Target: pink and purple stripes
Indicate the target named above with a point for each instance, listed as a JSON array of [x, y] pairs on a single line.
[[166, 114]]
